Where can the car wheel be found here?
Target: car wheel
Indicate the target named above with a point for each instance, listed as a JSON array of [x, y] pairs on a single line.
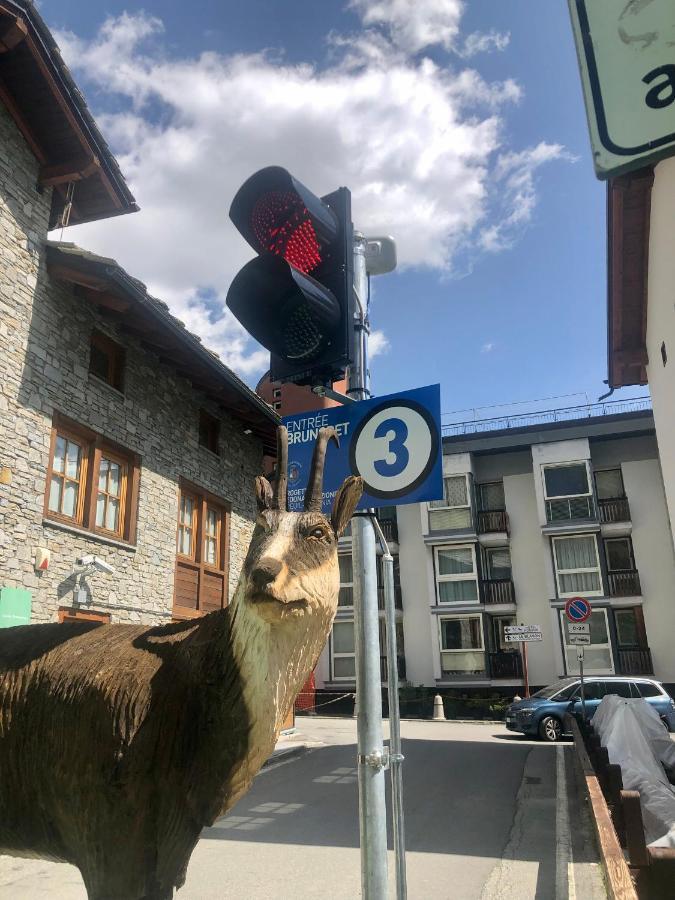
[[550, 729]]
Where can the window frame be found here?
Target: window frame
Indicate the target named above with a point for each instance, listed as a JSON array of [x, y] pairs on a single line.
[[480, 649], [479, 495], [597, 673], [614, 540], [94, 446], [558, 572], [116, 354], [597, 472], [340, 655], [487, 564], [346, 584], [431, 507], [438, 578], [567, 465], [100, 453], [204, 500]]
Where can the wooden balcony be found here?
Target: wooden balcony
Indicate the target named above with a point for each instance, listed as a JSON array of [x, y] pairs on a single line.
[[492, 520], [624, 584], [505, 664], [635, 662], [614, 510], [498, 590]]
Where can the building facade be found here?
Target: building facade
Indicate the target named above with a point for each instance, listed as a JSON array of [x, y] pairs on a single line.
[[535, 511], [121, 437]]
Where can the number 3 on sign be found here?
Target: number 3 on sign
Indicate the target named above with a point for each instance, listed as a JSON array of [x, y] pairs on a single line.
[[394, 448]]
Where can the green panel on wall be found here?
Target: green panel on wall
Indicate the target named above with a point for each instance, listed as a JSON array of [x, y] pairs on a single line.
[[15, 607]]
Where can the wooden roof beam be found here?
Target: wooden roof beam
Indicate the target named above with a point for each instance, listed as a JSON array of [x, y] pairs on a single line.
[[22, 124], [74, 170], [12, 32], [65, 273]]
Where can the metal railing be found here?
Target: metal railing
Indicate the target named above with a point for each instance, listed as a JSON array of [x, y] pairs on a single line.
[[491, 520], [398, 597], [389, 529], [615, 509], [564, 509], [505, 664], [547, 417], [635, 662], [498, 590], [624, 584]]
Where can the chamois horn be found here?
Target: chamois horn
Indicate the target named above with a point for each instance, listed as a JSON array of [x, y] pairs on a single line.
[[313, 492], [281, 481]]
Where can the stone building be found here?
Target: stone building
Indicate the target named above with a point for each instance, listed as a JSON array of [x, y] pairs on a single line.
[[121, 436]]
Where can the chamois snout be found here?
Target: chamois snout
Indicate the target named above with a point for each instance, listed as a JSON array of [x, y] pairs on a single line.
[[265, 571]]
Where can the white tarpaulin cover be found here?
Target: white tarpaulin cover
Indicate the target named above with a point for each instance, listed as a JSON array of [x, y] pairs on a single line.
[[635, 738]]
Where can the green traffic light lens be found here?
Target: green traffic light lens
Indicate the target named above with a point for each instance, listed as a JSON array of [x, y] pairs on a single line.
[[302, 337]]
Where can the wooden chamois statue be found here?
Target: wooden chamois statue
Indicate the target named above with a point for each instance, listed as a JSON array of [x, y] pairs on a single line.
[[119, 743]]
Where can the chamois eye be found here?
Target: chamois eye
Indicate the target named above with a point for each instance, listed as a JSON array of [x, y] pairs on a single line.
[[318, 533]]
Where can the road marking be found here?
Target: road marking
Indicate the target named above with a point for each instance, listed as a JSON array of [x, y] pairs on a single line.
[[565, 886]]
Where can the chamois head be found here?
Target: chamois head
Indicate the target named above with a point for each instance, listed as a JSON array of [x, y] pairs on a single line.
[[291, 567]]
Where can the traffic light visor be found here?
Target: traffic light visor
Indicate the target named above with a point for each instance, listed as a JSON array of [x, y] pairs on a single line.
[[279, 215]]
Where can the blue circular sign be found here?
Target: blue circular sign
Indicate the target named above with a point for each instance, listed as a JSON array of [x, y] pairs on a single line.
[[578, 609]]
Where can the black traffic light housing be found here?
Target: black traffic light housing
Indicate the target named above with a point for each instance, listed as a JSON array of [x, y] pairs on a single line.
[[296, 297]]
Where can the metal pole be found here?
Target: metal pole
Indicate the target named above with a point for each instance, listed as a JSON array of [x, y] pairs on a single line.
[[371, 758], [580, 654], [525, 671], [395, 754]]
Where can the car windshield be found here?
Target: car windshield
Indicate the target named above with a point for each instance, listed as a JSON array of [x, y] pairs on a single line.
[[553, 689]]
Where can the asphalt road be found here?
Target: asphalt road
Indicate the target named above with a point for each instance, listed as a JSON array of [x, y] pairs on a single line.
[[489, 816]]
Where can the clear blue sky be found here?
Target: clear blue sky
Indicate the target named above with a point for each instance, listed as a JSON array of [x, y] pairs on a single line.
[[460, 128]]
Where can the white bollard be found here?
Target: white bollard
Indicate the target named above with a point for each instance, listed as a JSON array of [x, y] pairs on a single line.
[[439, 712]]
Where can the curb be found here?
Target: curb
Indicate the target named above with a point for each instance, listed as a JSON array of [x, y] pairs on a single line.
[[284, 753]]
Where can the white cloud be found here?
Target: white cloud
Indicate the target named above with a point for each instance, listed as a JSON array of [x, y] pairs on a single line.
[[485, 42], [414, 24], [488, 347], [415, 142], [378, 344]]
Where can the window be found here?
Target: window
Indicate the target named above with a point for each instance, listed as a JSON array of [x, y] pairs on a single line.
[[598, 655], [91, 482], [202, 538], [567, 492], [276, 406], [276, 394], [456, 574], [619, 552], [620, 688], [577, 567], [209, 431], [461, 639], [106, 360], [346, 595], [648, 689], [491, 496], [631, 633], [609, 484], [498, 564], [343, 657], [499, 642], [454, 510]]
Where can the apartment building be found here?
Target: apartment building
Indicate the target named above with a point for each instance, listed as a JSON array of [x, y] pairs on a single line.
[[121, 436], [535, 510]]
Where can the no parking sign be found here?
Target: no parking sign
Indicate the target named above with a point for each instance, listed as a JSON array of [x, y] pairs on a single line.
[[393, 443]]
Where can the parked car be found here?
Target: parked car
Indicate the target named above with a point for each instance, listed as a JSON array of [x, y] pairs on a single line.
[[542, 714]]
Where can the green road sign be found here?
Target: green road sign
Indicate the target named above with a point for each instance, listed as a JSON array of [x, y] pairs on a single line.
[[626, 51], [15, 606]]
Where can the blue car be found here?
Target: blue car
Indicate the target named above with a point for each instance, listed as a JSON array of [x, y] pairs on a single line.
[[542, 714]]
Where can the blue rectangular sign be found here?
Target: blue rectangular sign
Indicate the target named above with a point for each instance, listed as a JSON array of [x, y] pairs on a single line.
[[393, 443]]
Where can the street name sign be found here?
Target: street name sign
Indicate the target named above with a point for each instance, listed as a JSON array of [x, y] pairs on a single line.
[[625, 51], [516, 633], [392, 442], [578, 609]]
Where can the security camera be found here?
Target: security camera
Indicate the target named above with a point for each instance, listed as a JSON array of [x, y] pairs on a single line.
[[96, 563]]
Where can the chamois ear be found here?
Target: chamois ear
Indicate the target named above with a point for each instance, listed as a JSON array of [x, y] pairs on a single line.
[[347, 497], [263, 493]]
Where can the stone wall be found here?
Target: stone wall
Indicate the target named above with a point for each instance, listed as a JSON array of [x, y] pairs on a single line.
[[45, 330]]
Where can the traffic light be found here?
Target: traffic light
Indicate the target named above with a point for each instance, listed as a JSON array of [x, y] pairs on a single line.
[[296, 296]]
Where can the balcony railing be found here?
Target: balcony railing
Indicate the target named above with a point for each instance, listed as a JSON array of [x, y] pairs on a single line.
[[505, 664], [635, 662], [564, 509], [624, 584], [398, 597], [492, 520], [498, 590], [384, 672], [389, 529], [614, 510]]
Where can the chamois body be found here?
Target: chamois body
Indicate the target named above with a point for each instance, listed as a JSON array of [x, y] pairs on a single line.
[[119, 743]]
